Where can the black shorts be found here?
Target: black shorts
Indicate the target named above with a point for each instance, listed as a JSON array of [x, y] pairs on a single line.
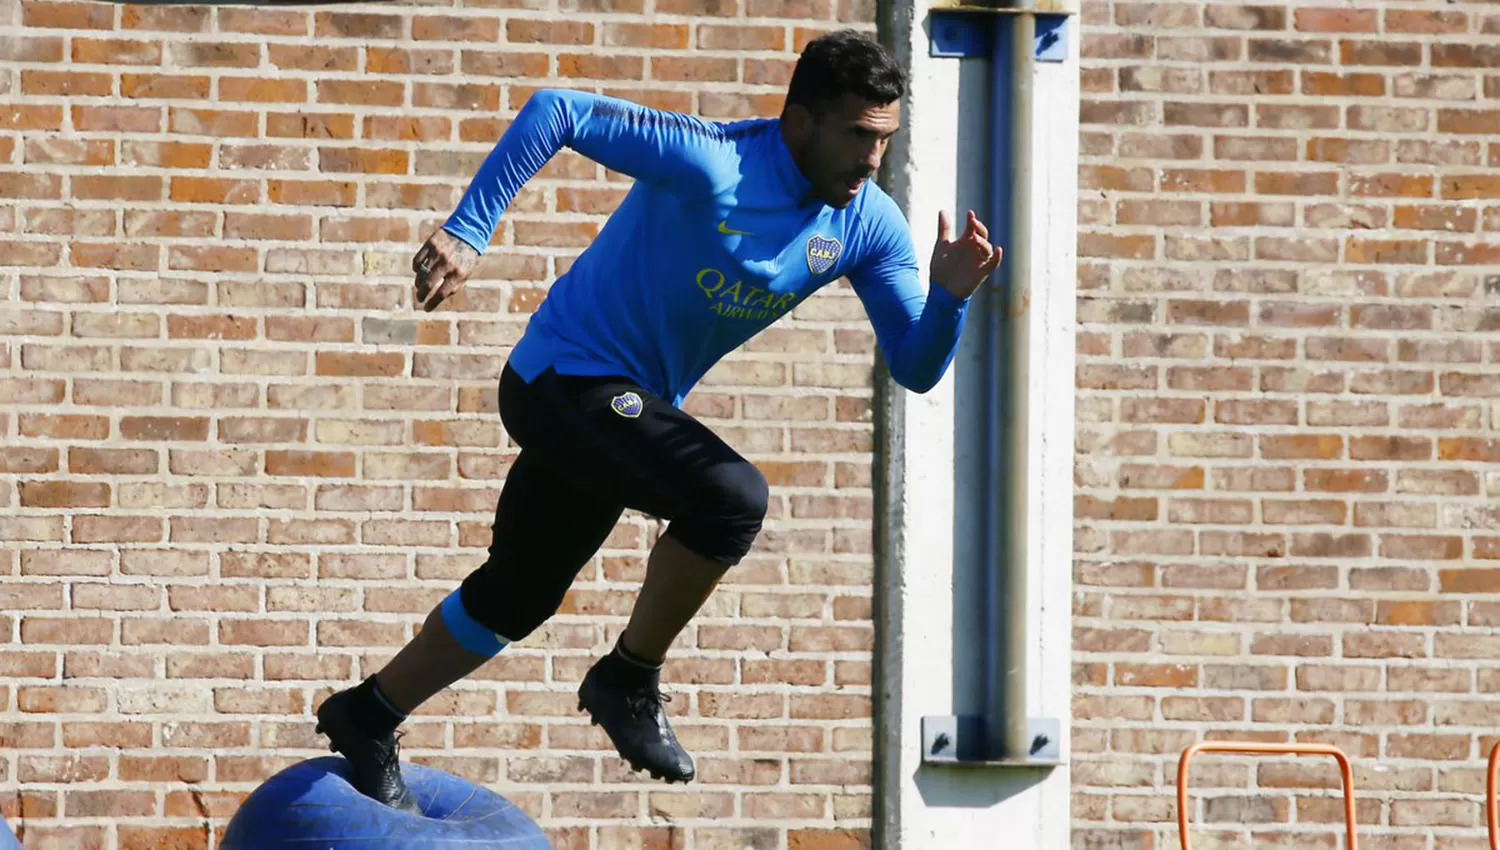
[[590, 448]]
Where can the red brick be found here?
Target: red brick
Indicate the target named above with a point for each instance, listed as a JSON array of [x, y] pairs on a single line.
[[112, 461], [117, 119], [1469, 121], [163, 428], [408, 128], [365, 160], [661, 36], [1296, 51], [1337, 20], [308, 463], [114, 51], [1392, 185], [158, 86], [1451, 219], [264, 21], [461, 96], [27, 460], [67, 15], [268, 157], [64, 494], [30, 186], [116, 529], [596, 67], [66, 83], [1420, 547], [1354, 84], [172, 19], [139, 188], [395, 60], [1425, 21], [1469, 581], [310, 125], [213, 190], [704, 8], [272, 227], [29, 117], [357, 25], [64, 426], [112, 256], [163, 838], [452, 28], [258, 90], [208, 122], [312, 193], [175, 155], [1461, 55], [361, 365], [1459, 253]]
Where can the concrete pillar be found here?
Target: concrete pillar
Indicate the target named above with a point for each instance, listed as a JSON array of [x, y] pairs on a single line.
[[928, 654]]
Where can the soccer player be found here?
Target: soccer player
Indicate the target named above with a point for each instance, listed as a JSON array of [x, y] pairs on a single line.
[[727, 227]]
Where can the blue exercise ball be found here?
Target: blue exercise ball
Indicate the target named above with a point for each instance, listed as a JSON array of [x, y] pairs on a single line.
[[7, 838], [312, 805]]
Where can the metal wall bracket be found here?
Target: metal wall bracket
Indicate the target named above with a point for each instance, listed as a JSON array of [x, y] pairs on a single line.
[[959, 740], [964, 32]]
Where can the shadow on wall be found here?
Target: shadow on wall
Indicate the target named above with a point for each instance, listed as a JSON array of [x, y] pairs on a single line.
[[948, 787]]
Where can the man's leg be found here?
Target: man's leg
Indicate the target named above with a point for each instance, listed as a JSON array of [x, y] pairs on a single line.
[[665, 463], [545, 531], [678, 582], [609, 443], [361, 722], [432, 661]]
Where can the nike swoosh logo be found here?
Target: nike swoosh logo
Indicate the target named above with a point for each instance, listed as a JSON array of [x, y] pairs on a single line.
[[727, 231]]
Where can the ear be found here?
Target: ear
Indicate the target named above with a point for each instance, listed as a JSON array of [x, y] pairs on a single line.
[[798, 121]]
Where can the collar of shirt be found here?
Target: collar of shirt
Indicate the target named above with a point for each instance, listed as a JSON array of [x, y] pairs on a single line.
[[797, 185]]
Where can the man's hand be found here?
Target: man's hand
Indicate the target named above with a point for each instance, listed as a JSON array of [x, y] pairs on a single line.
[[442, 265], [961, 265]]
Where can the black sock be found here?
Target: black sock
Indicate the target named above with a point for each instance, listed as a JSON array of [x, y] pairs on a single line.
[[373, 712], [632, 666], [630, 657]]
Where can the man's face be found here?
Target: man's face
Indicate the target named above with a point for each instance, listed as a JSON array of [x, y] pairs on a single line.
[[842, 147]]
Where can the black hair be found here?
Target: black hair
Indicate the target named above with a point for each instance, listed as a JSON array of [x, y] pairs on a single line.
[[844, 62]]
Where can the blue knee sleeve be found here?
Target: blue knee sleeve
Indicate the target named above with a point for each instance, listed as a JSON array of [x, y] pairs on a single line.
[[470, 635]]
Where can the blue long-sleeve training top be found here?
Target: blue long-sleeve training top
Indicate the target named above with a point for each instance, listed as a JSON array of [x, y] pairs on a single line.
[[717, 239]]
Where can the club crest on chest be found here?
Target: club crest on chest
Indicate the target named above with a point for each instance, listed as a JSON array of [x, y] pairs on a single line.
[[822, 253]]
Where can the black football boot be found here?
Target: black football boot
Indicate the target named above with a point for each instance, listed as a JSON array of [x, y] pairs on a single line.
[[626, 701], [374, 758]]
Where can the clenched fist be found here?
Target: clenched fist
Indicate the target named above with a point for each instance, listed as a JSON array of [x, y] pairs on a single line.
[[442, 265]]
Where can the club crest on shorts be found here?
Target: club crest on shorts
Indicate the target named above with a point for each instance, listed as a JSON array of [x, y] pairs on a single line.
[[822, 254], [627, 404]]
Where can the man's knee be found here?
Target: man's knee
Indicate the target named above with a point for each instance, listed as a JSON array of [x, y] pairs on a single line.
[[504, 602], [725, 522]]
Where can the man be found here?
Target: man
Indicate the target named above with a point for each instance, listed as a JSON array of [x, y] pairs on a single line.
[[727, 227]]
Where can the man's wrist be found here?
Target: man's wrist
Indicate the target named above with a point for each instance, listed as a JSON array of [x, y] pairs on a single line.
[[941, 289], [463, 240]]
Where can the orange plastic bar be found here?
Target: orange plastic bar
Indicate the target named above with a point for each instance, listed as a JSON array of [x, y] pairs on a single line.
[[1491, 804], [1255, 748]]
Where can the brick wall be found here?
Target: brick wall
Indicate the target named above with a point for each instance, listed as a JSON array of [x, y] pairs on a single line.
[[236, 468], [1287, 458]]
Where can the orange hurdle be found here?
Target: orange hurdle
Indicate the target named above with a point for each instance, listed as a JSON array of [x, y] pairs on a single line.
[[1252, 748], [1491, 806]]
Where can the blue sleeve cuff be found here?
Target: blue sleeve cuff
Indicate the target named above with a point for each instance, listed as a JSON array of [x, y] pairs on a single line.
[[940, 295], [465, 237]]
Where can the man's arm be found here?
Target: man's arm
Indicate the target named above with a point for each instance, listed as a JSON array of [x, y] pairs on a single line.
[[647, 144], [918, 328]]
